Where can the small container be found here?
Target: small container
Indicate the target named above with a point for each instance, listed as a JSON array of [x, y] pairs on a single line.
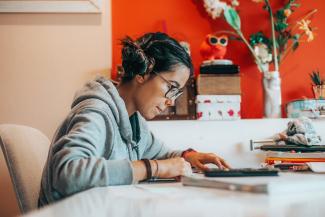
[[310, 108], [218, 107]]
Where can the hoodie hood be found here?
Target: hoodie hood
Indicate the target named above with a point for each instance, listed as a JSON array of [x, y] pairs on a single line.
[[103, 89]]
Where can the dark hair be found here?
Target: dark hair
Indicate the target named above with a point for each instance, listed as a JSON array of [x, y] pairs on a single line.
[[152, 52]]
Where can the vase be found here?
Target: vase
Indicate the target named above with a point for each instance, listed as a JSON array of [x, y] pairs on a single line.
[[272, 94]]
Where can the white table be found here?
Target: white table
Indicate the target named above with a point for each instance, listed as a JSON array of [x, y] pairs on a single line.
[[173, 199]]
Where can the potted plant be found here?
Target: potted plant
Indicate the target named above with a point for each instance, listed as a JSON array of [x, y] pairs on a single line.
[[318, 85]]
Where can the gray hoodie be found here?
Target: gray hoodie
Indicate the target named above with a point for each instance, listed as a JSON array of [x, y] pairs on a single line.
[[94, 145]]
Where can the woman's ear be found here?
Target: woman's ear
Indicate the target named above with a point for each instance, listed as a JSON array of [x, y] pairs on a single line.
[[141, 78]]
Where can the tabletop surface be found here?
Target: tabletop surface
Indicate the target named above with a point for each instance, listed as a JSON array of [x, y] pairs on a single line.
[[174, 199]]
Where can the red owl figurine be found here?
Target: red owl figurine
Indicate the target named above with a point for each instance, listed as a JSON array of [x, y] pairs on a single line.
[[214, 47]]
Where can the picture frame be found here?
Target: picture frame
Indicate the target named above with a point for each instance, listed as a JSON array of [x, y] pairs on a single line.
[[50, 6]]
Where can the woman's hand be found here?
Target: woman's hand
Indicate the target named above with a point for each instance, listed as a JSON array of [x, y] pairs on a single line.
[[173, 167], [198, 160]]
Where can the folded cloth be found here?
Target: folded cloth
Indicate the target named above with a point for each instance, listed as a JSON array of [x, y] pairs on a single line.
[[300, 132]]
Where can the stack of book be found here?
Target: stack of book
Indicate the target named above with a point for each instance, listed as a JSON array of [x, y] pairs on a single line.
[[293, 160], [291, 156], [218, 92]]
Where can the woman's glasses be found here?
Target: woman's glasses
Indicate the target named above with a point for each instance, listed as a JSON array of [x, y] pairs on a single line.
[[173, 92]]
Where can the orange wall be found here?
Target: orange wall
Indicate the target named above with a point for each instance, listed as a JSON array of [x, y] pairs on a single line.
[[187, 20]]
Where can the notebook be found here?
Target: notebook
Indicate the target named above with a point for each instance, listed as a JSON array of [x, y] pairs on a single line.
[[317, 167], [284, 183], [241, 172]]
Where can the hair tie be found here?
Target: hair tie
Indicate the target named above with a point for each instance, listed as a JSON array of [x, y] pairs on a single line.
[[151, 65]]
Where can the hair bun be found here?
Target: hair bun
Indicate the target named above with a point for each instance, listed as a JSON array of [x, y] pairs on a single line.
[[134, 60], [153, 52]]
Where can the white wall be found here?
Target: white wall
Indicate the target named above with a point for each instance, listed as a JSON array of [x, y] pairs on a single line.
[[44, 59], [229, 139]]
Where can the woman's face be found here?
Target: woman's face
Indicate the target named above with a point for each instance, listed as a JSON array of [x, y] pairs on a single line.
[[150, 97]]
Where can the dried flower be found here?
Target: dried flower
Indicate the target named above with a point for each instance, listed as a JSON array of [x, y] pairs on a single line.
[[235, 3], [304, 26], [214, 7], [287, 12], [261, 50]]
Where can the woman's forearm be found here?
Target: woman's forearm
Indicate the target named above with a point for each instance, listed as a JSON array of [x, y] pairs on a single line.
[[140, 172]]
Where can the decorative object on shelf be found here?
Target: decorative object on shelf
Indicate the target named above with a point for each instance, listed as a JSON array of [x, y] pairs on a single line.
[[218, 107], [213, 50], [218, 84], [286, 37], [221, 84], [219, 69], [214, 47], [311, 108], [318, 85]]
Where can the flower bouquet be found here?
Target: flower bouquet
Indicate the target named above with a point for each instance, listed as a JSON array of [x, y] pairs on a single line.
[[285, 38]]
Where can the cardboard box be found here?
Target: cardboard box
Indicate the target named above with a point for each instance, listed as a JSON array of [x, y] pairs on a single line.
[[218, 84]]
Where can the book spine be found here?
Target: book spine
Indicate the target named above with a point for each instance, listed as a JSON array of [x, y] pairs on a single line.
[[272, 161], [294, 155]]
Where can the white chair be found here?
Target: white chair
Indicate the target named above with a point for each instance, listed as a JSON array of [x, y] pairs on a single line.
[[25, 150]]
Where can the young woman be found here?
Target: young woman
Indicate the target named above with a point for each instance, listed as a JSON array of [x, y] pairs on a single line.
[[105, 141]]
